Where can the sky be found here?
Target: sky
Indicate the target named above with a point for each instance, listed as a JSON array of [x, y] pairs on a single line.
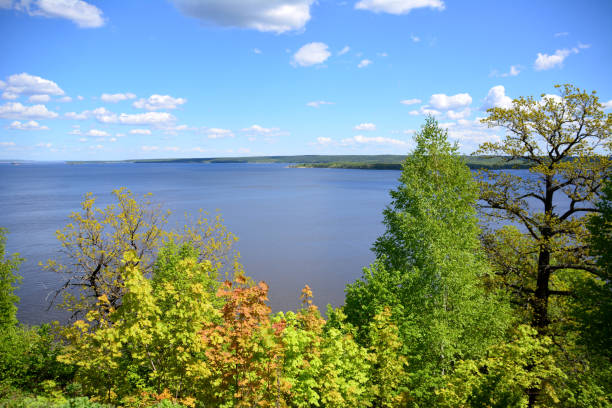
[[130, 79]]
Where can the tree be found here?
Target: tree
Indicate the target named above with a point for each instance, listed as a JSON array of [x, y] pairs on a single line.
[[94, 243], [430, 267], [564, 139], [8, 279]]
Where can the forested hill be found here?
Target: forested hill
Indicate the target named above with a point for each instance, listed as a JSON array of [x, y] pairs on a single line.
[[374, 162]]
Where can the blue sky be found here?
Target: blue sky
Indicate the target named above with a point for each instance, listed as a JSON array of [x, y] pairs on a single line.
[[114, 79]]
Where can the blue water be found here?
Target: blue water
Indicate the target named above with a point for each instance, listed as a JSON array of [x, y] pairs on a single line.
[[296, 226]]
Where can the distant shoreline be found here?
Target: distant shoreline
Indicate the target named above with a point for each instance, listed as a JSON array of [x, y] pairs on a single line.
[[359, 162]]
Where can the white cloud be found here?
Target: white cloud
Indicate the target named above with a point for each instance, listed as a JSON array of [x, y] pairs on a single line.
[[445, 102], [81, 13], [103, 115], [77, 116], [31, 125], [344, 50], [256, 51], [15, 110], [471, 133], [365, 126], [118, 97], [26, 84], [562, 34], [414, 38], [217, 133], [496, 98], [316, 104], [462, 114], [157, 102], [149, 118], [398, 6], [276, 16], [425, 111], [311, 54], [7, 144], [364, 63], [260, 129], [607, 105], [39, 98], [410, 101], [65, 99], [9, 95], [360, 139], [83, 139], [140, 132], [96, 147], [149, 148], [324, 140], [97, 133], [545, 61], [46, 145], [80, 98], [514, 71]]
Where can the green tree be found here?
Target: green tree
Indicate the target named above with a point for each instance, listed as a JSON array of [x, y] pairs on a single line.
[[537, 258], [8, 279], [94, 243], [430, 267]]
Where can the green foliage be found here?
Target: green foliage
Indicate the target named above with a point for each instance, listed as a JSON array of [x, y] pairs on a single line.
[[8, 279], [96, 241], [430, 268], [152, 342], [547, 265], [506, 375]]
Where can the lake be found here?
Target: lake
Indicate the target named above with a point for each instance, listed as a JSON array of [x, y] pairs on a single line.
[[296, 226]]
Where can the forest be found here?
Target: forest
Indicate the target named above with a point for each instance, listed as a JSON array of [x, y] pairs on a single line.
[[453, 312]]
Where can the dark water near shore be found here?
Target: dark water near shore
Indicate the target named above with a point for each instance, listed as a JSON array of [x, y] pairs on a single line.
[[296, 226]]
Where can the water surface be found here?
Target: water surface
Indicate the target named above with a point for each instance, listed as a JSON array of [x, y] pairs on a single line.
[[296, 226]]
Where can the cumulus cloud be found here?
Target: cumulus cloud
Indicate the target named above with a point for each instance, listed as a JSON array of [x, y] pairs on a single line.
[[140, 132], [97, 133], [365, 126], [398, 6], [15, 110], [607, 105], [31, 125], [324, 140], [316, 104], [103, 115], [544, 61], [413, 101], [149, 148], [26, 84], [217, 133], [425, 111], [118, 97], [360, 139], [514, 71], [364, 63], [311, 54], [256, 51], [446, 102], [496, 98], [157, 102], [39, 98], [65, 99], [276, 16], [344, 50], [81, 13], [414, 38]]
